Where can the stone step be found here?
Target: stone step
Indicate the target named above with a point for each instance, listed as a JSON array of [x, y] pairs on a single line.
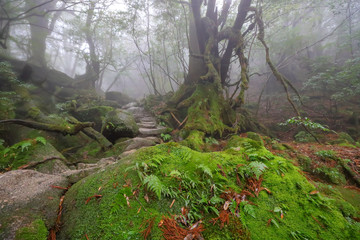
[[147, 125], [152, 131], [129, 105], [147, 119]]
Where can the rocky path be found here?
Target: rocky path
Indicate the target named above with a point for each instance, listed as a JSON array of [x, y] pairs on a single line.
[[149, 130], [37, 192]]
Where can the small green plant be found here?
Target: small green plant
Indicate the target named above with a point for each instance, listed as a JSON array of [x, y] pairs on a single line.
[[326, 154], [254, 168], [15, 155], [305, 122], [211, 140], [155, 184], [299, 235], [166, 137]]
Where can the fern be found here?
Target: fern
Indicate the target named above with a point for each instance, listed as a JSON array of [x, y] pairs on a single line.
[[300, 236], [41, 140], [249, 147], [206, 170], [154, 184], [256, 168], [273, 221], [182, 155], [156, 161], [175, 173], [248, 209]]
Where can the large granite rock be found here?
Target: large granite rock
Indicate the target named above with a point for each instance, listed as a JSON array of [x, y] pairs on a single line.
[[119, 124], [26, 196]]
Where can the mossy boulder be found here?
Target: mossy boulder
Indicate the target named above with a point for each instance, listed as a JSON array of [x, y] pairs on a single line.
[[28, 151], [256, 189], [119, 124], [93, 114], [28, 203], [36, 230]]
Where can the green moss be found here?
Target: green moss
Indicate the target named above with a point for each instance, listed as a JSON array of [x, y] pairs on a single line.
[[90, 152], [255, 137], [205, 112], [347, 145], [34, 112], [330, 174], [195, 141], [279, 146], [346, 137], [94, 114], [35, 231], [196, 181]]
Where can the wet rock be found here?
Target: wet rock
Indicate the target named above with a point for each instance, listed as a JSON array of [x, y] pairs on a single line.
[[129, 105], [55, 167], [152, 131], [138, 142], [27, 196], [127, 153], [93, 114], [73, 176], [119, 124], [147, 125]]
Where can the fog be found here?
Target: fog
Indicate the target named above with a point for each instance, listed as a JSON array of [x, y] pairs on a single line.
[[141, 43]]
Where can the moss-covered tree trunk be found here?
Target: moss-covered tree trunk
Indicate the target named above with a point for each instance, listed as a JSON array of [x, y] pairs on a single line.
[[201, 97]]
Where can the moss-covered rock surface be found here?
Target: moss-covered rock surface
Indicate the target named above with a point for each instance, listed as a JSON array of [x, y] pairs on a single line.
[[169, 190]]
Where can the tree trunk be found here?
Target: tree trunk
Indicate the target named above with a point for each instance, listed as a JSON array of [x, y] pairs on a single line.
[[201, 97]]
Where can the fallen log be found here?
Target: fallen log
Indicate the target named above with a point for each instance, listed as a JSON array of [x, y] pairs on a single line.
[[66, 129]]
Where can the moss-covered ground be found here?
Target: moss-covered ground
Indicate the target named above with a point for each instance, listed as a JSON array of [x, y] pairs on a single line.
[[35, 231], [264, 196]]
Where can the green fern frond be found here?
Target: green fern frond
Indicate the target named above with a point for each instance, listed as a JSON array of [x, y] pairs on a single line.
[[154, 184], [175, 173], [256, 168], [206, 170], [41, 140], [249, 209]]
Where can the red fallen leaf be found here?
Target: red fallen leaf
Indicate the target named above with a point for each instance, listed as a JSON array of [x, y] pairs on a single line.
[[267, 190], [58, 187], [184, 211], [94, 196], [23, 166], [87, 238], [269, 222], [314, 192]]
